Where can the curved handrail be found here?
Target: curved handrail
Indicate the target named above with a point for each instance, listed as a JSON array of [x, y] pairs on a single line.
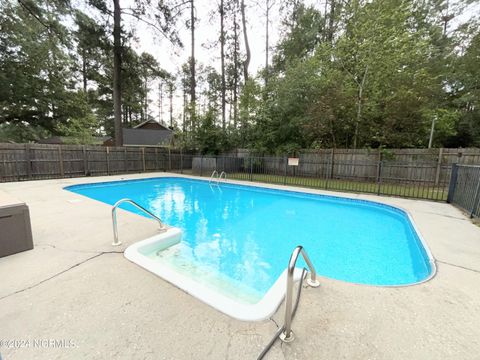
[[213, 176], [114, 218], [222, 175], [287, 334]]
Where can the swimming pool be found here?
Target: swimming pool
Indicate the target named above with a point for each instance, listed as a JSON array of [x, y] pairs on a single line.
[[234, 240]]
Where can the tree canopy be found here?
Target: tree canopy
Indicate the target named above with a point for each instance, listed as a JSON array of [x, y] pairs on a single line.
[[378, 73]]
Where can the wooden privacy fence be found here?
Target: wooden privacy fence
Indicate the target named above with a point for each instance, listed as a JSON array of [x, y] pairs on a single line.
[[428, 165], [416, 173], [37, 161]]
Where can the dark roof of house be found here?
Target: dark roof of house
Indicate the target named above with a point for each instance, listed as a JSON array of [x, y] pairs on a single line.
[[147, 137], [60, 140], [151, 125]]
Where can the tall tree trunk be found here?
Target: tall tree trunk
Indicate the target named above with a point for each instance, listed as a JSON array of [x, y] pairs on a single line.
[[246, 63], [117, 73], [160, 101], [235, 66], [84, 70], [331, 21], [145, 104], [267, 20], [222, 60], [184, 117], [361, 86], [170, 89], [193, 83]]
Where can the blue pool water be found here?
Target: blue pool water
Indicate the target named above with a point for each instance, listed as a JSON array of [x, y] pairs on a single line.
[[239, 238]]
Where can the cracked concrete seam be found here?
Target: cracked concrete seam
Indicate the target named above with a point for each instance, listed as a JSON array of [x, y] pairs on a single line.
[[273, 320], [457, 266], [60, 273]]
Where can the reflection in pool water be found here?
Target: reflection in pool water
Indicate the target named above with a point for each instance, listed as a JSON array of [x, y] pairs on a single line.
[[238, 239]]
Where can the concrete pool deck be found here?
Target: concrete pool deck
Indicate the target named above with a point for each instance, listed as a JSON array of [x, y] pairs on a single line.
[[76, 297]]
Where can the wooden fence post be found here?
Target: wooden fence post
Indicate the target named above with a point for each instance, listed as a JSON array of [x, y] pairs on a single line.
[[85, 160], [332, 162], [60, 161], [379, 174], [28, 161], [107, 157], [125, 159], [169, 160], [439, 166], [379, 165]]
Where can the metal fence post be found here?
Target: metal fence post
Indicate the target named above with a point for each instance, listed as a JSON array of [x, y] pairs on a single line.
[[181, 161], [201, 165], [285, 172], [453, 183], [143, 160], [439, 166], [477, 196], [379, 176], [251, 168]]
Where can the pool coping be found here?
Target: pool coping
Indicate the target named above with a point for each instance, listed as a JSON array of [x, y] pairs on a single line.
[[261, 310], [272, 299]]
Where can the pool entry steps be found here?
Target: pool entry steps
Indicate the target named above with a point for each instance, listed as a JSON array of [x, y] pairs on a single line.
[[284, 333]]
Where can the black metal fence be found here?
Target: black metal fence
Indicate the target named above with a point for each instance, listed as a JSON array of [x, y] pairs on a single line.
[[430, 176], [413, 180], [464, 189]]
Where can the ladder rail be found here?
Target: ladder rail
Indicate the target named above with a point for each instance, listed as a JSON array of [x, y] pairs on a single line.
[[116, 242], [222, 174], [213, 176], [287, 334]]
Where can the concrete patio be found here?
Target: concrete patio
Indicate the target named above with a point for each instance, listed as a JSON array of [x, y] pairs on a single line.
[[74, 286]]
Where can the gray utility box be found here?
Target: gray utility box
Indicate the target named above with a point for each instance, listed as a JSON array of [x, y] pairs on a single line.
[[15, 228]]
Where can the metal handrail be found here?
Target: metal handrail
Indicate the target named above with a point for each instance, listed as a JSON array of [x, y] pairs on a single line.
[[287, 334], [114, 218], [213, 176], [221, 175]]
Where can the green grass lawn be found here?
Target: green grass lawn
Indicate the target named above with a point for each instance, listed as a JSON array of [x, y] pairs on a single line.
[[419, 190], [416, 190]]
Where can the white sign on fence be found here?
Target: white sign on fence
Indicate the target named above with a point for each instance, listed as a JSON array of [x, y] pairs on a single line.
[[293, 161]]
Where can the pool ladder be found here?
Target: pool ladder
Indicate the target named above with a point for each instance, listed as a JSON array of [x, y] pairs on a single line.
[[218, 177], [285, 333], [116, 242]]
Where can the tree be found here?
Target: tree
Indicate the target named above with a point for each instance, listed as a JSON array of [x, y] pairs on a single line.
[[38, 93], [193, 82], [164, 23], [246, 63], [221, 11]]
